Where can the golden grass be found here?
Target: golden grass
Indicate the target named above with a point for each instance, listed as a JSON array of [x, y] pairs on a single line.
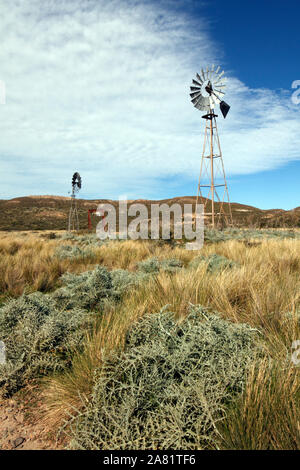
[[267, 416], [261, 290], [27, 262]]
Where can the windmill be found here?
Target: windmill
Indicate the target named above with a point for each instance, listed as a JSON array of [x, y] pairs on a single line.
[[207, 92], [73, 214]]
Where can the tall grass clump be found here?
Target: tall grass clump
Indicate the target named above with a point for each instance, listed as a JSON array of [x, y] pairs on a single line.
[[267, 415], [169, 387]]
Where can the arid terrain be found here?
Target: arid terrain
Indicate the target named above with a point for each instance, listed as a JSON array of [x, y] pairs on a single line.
[[146, 345], [51, 213]]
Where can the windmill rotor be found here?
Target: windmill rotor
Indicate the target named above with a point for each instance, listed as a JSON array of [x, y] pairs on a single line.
[[207, 90], [76, 182]]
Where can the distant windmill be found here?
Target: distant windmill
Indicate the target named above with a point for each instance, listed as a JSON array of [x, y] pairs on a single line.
[[73, 214], [207, 91]]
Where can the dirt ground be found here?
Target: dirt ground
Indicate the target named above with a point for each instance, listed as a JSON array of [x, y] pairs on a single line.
[[19, 430]]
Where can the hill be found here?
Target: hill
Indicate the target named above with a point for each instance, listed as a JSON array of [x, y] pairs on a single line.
[[51, 213]]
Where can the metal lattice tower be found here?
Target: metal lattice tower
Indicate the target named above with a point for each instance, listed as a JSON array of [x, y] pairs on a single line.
[[73, 223], [212, 170], [207, 91]]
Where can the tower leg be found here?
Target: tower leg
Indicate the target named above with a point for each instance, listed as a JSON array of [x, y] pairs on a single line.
[[73, 221]]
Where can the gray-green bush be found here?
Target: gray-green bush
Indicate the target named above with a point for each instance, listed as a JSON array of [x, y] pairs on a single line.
[[38, 338], [214, 262], [154, 265], [86, 290], [169, 387], [216, 236], [73, 252], [40, 331]]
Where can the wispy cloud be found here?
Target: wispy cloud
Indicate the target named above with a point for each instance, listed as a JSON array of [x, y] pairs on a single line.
[[102, 88]]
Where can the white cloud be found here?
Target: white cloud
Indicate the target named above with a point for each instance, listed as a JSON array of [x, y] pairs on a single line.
[[102, 88]]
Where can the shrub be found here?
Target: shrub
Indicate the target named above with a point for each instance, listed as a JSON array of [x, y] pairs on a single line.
[[214, 262], [73, 252], [154, 265], [123, 280], [150, 265], [37, 338], [169, 387], [84, 290], [171, 264], [216, 236]]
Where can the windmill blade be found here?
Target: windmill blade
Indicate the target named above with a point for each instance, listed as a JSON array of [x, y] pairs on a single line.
[[200, 103], [219, 92], [195, 94], [199, 78], [221, 81], [203, 74], [195, 100], [217, 69], [196, 83], [195, 88]]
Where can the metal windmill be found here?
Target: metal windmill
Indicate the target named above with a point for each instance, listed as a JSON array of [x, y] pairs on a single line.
[[207, 91], [73, 223]]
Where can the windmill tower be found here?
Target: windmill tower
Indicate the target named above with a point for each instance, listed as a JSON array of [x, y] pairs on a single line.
[[207, 91], [73, 223]]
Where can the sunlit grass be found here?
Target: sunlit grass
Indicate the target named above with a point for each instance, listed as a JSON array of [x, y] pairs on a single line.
[[262, 289]]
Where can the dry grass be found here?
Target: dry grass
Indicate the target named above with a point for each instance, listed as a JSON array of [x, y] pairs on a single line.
[[27, 261], [261, 290], [267, 416]]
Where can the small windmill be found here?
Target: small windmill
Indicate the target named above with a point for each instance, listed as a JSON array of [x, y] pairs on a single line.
[[207, 91], [73, 214]]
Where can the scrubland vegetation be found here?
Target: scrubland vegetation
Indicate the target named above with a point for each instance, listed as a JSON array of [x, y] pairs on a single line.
[[146, 345]]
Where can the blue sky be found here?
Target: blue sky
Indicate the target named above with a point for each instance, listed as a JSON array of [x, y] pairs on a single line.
[[103, 88]]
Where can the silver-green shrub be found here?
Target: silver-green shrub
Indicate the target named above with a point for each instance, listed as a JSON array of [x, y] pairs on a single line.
[[154, 265], [169, 387], [216, 236], [85, 290], [73, 252], [214, 262], [38, 338]]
